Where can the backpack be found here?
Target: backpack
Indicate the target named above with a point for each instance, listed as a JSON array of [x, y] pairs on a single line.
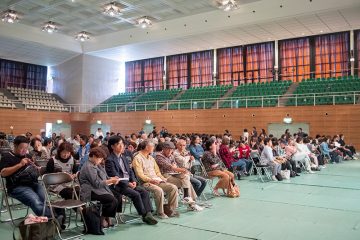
[[92, 220]]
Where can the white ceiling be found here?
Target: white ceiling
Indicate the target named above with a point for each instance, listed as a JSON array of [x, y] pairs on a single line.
[[179, 26], [79, 15], [302, 25]]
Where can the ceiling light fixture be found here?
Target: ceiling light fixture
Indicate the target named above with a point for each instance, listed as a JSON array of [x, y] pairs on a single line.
[[112, 9], [50, 27], [10, 16], [82, 36], [144, 22], [227, 5]]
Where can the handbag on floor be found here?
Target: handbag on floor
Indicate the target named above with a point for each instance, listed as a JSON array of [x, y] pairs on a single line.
[[285, 174], [36, 231], [92, 220], [233, 191]]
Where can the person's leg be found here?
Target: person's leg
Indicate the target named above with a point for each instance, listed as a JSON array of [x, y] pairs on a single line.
[[31, 197], [196, 185], [66, 193], [231, 177], [248, 164], [119, 198], [223, 182], [135, 198], [239, 164], [203, 185], [172, 194], [108, 202], [145, 197], [158, 196]]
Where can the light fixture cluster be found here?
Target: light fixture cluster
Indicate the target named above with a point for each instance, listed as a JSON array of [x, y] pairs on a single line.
[[82, 36], [112, 9], [50, 27], [227, 5], [10, 16], [144, 22]]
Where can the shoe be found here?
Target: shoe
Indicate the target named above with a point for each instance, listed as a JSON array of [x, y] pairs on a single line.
[[354, 158], [216, 193], [188, 200], [174, 214], [162, 216], [204, 204], [246, 174], [274, 178], [279, 177], [195, 208], [322, 166], [310, 171], [61, 220], [149, 219], [238, 176], [296, 174]]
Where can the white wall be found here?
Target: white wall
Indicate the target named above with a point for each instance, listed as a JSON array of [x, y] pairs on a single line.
[[87, 79], [67, 80], [101, 79]]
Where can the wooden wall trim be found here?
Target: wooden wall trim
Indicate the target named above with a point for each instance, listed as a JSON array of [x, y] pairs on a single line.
[[328, 120]]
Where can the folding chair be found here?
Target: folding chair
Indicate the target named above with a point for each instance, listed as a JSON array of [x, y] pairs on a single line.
[[260, 169], [53, 179], [209, 180], [8, 206]]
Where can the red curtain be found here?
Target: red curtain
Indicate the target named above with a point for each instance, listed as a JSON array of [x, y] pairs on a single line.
[[133, 75], [332, 55], [23, 75], [153, 73], [294, 59], [177, 71], [357, 71], [202, 66], [259, 62], [230, 66]]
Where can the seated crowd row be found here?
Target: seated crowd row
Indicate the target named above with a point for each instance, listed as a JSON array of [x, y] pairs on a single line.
[[106, 168]]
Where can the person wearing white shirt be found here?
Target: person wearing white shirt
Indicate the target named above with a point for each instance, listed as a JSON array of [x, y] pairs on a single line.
[[99, 133], [267, 158]]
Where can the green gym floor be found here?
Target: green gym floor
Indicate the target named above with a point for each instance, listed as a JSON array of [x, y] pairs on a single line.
[[320, 206]]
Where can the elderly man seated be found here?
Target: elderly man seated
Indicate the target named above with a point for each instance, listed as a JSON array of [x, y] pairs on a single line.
[[184, 159], [175, 174], [149, 174]]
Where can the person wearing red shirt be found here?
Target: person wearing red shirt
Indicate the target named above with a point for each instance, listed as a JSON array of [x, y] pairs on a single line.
[[228, 157], [244, 154]]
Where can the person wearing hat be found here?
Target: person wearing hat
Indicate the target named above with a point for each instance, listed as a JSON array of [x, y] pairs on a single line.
[[151, 178], [176, 175]]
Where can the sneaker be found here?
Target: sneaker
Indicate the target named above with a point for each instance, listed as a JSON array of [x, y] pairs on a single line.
[[274, 178], [204, 204], [322, 166], [310, 171], [354, 158], [195, 208], [162, 216], [188, 200], [149, 219]]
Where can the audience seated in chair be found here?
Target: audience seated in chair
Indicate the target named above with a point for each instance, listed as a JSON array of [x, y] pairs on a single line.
[[267, 158], [117, 165], [175, 174], [212, 164], [149, 174], [95, 186], [185, 160]]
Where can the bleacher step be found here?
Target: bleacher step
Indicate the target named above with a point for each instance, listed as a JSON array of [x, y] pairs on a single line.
[[284, 98], [226, 95], [11, 97]]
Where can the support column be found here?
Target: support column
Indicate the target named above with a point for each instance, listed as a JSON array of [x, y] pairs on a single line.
[[215, 68], [351, 54], [276, 61]]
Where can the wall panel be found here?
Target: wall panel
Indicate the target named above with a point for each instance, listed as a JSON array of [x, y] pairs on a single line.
[[327, 120]]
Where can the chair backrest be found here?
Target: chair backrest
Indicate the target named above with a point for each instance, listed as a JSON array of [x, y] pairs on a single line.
[[56, 178], [203, 170]]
